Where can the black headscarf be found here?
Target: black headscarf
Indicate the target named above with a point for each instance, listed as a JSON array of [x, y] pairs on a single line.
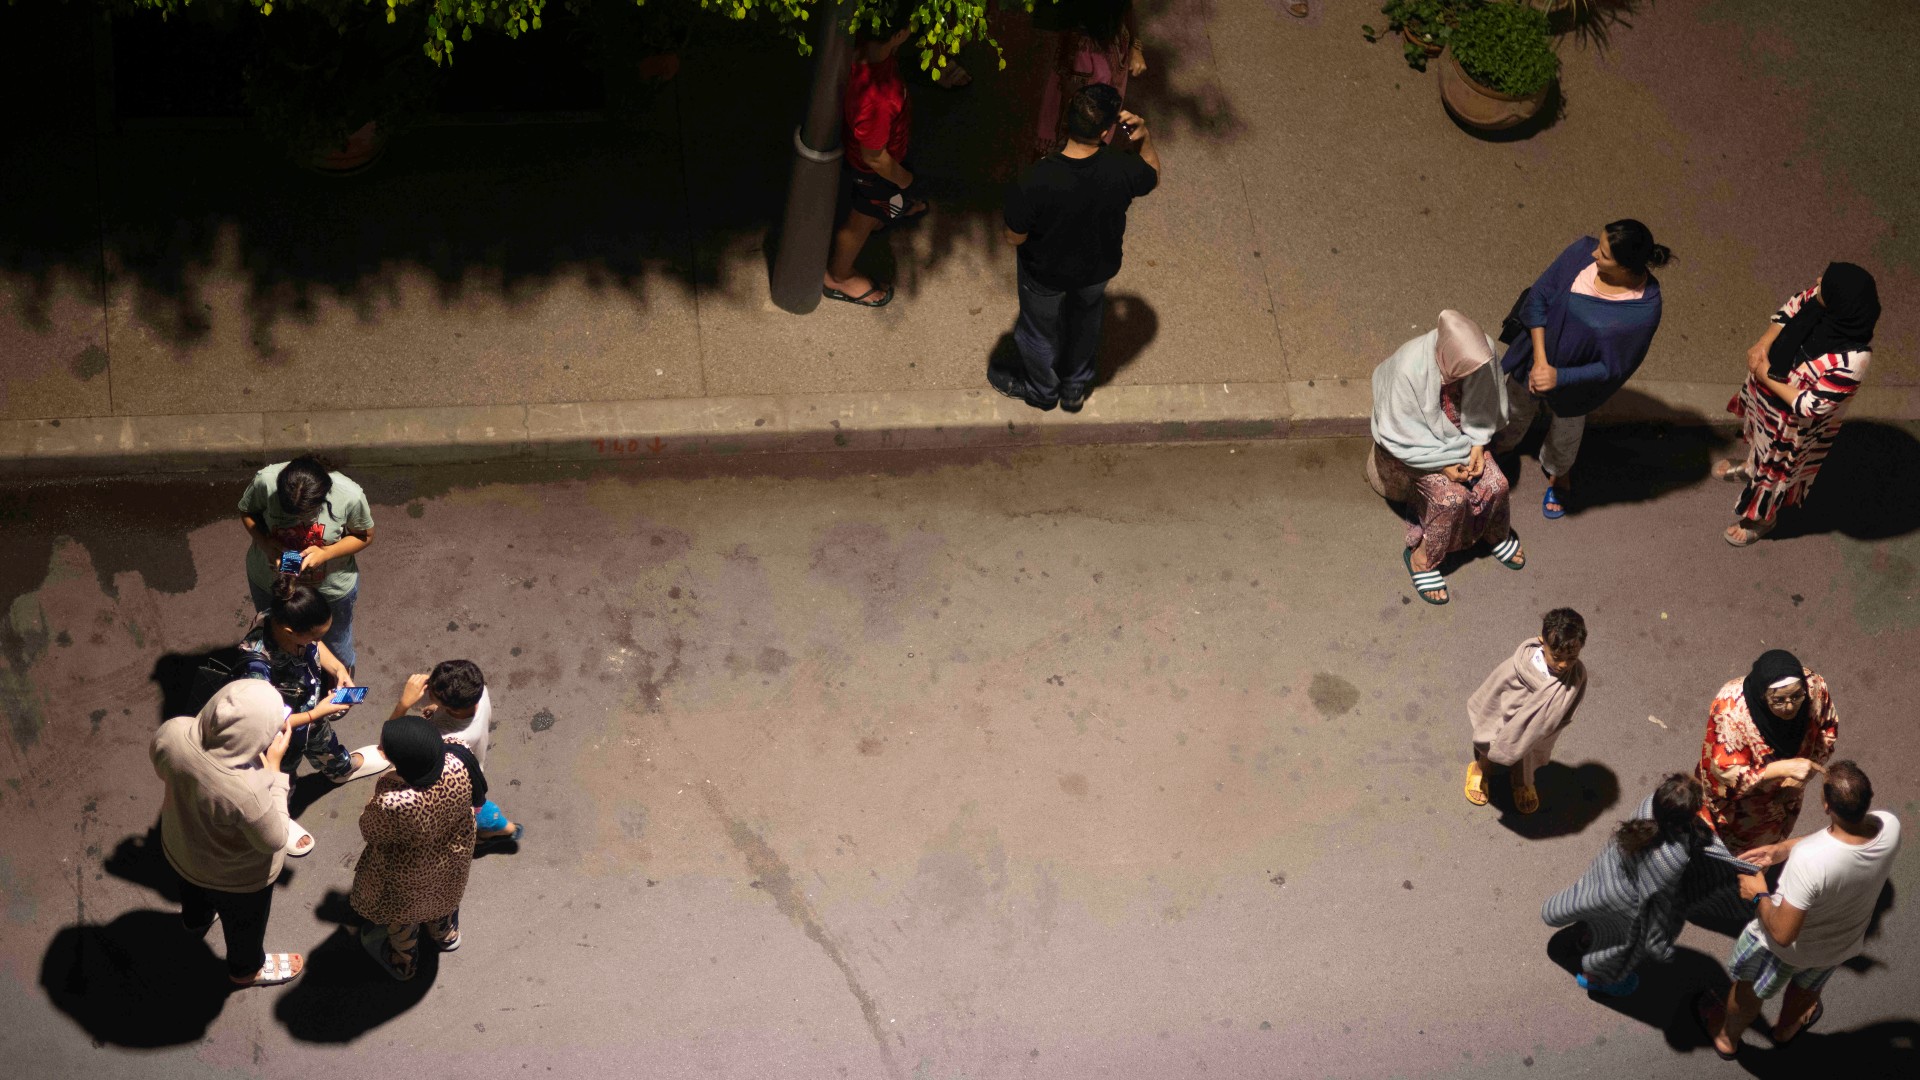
[[1844, 321], [416, 750], [1782, 735]]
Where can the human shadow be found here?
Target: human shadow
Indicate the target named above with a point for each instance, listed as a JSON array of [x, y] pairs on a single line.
[[1571, 798], [1868, 489], [343, 993], [140, 981], [1887, 1048], [1128, 326], [1663, 449], [140, 860], [188, 680], [1666, 991]]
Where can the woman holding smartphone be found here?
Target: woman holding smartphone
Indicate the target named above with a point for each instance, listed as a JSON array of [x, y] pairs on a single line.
[[285, 647]]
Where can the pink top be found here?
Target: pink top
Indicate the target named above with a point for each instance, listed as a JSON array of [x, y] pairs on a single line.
[[1583, 284]]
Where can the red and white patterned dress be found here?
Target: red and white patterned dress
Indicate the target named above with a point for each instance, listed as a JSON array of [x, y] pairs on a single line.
[[1745, 810], [1786, 446]]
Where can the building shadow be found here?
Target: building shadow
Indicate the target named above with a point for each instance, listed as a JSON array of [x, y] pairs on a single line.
[[1868, 489], [140, 981], [1571, 798], [343, 994]]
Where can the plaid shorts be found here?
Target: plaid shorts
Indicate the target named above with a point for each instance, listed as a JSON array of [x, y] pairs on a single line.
[[1754, 963]]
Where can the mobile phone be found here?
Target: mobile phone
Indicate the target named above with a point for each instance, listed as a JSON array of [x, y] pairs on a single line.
[[349, 695], [289, 562]]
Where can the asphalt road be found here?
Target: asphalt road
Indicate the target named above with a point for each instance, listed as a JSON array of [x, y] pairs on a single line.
[[1134, 762]]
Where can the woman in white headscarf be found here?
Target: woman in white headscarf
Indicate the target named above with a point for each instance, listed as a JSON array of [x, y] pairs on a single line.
[[1437, 403]]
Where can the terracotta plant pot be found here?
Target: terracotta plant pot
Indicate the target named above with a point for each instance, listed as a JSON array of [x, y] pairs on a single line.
[[361, 149], [1411, 35], [1483, 107], [659, 68]]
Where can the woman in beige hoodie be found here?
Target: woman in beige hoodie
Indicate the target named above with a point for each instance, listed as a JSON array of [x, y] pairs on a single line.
[[1521, 708], [224, 823]]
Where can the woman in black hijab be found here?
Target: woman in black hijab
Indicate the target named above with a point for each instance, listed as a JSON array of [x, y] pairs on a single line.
[[1800, 375], [1768, 734], [419, 832]]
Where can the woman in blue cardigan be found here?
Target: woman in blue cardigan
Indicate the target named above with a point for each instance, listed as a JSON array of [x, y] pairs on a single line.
[[1590, 318]]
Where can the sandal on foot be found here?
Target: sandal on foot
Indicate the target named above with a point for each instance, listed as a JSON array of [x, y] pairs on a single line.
[[277, 970], [1703, 1006], [487, 844], [1819, 1010], [1426, 581], [1298, 9], [300, 842], [1476, 785], [1508, 554], [1733, 472], [401, 965], [864, 299], [1551, 506], [452, 940], [1623, 988], [356, 761], [1738, 535], [1525, 799]]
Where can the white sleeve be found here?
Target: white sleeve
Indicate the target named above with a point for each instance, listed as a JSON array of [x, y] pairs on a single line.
[[1801, 881]]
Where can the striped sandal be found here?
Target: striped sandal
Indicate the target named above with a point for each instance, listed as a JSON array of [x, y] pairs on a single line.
[[1426, 581], [1507, 553], [1733, 472]]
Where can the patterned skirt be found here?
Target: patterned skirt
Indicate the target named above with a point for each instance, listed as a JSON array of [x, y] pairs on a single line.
[[1784, 452], [1447, 516]]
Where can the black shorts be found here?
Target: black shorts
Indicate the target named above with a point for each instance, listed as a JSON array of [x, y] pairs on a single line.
[[873, 195]]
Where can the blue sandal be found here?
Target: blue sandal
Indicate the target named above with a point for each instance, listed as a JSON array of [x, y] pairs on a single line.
[[1426, 581], [1552, 496]]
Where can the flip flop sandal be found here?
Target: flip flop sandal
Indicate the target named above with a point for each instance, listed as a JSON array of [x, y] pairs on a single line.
[[374, 940], [453, 940], [1298, 9], [1730, 472], [296, 836], [1505, 550], [1525, 799], [886, 296], [1702, 1020], [372, 763], [1476, 793], [277, 970], [1623, 988], [1739, 536], [1426, 581], [1819, 1010], [1549, 499]]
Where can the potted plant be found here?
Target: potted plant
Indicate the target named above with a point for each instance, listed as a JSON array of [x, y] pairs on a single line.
[[1424, 26], [1499, 66]]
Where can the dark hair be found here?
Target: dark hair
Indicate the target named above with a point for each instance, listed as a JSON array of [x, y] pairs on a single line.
[[304, 484], [1849, 793], [1676, 811], [1102, 21], [457, 684], [1091, 111], [301, 609], [887, 20], [1562, 628], [1633, 247]]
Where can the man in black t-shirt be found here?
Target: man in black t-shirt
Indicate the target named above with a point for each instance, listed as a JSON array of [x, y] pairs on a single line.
[[1067, 214]]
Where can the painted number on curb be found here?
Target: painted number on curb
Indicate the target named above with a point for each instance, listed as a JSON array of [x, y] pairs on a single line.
[[629, 446]]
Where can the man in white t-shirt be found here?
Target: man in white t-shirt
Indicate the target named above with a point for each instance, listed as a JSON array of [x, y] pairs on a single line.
[[1815, 922]]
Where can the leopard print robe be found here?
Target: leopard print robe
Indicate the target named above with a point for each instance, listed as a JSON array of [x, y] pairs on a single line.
[[419, 848]]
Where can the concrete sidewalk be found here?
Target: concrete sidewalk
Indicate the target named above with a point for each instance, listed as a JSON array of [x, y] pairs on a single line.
[[173, 297]]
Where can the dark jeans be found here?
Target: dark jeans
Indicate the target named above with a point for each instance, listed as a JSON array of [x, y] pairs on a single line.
[[243, 919], [316, 742], [1059, 337]]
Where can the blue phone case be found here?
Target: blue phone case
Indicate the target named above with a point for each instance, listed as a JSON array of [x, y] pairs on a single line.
[[350, 695], [289, 562]]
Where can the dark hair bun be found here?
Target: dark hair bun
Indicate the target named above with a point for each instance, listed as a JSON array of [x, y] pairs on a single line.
[[1660, 256]]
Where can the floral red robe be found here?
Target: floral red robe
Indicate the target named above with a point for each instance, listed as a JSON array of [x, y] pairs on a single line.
[[1745, 810]]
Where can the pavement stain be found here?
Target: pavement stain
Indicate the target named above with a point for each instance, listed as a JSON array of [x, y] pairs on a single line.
[[1332, 695], [774, 877]]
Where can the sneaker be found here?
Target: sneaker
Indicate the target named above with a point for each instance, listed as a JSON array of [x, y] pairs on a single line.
[[1016, 390], [1073, 400]]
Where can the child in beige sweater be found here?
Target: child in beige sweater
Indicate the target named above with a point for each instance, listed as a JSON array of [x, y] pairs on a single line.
[[1520, 710]]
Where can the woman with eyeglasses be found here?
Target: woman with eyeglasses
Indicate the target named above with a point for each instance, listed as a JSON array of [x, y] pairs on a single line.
[[1767, 735]]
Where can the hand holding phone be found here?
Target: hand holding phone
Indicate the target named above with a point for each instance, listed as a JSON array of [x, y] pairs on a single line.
[[349, 695], [290, 562]]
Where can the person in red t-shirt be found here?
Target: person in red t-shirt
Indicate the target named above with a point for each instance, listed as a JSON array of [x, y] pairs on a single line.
[[876, 116]]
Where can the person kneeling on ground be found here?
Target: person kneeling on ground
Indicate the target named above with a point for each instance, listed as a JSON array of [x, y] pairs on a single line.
[[1437, 403], [454, 698], [1523, 706]]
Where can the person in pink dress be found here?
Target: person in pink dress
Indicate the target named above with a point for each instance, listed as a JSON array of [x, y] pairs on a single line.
[[1102, 45]]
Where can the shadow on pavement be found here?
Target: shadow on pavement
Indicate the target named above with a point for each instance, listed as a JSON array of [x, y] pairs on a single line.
[[344, 994], [1570, 799], [140, 860], [1869, 488], [187, 680], [139, 981]]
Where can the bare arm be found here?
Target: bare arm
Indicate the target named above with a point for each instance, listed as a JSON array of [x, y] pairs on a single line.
[[1781, 920], [351, 543], [882, 164], [258, 534], [1143, 141]]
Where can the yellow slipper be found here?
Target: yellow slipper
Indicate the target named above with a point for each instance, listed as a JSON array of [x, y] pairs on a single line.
[[1525, 799], [1476, 785]]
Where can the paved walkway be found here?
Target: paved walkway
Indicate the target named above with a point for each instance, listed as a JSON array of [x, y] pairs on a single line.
[[1318, 209]]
